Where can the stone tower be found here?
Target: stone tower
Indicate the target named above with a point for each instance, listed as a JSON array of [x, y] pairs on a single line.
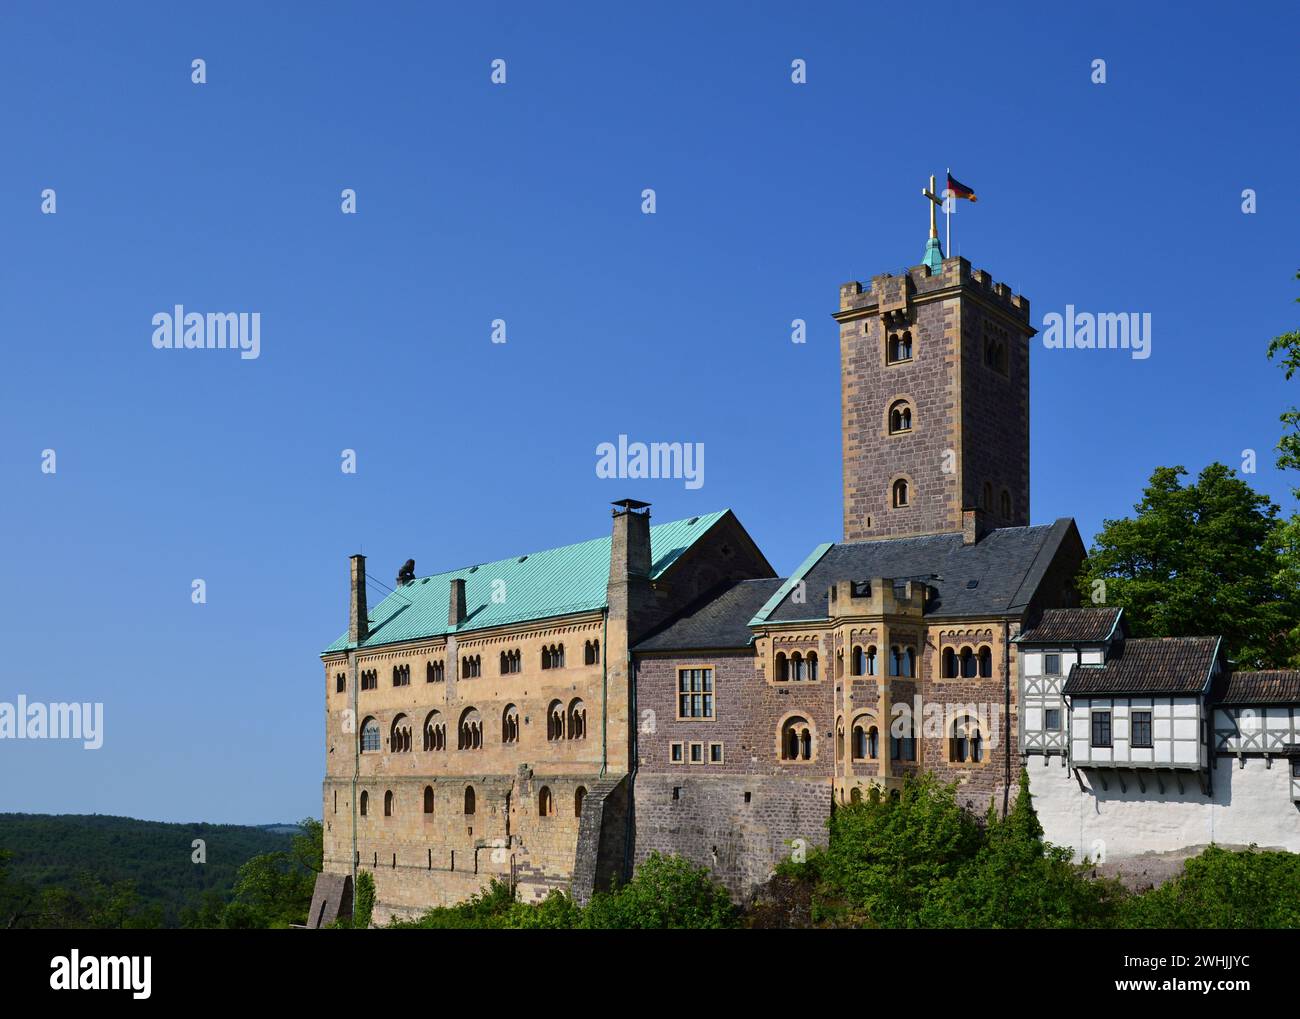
[[934, 397]]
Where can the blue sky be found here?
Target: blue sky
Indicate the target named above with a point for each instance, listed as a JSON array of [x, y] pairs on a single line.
[[522, 202]]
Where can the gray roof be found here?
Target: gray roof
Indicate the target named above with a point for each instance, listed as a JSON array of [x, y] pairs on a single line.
[[1271, 686], [1149, 665], [1073, 626], [719, 620], [1006, 567]]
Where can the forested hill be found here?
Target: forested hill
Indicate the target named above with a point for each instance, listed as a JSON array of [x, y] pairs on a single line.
[[90, 856]]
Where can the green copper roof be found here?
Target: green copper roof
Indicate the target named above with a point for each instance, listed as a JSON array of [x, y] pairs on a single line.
[[556, 582], [933, 256], [778, 596]]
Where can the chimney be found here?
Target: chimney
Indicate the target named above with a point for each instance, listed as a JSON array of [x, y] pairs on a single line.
[[456, 608], [972, 526], [629, 595], [358, 616]]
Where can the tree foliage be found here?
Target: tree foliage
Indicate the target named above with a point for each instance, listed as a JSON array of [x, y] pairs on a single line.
[[666, 892], [1223, 890], [1204, 558]]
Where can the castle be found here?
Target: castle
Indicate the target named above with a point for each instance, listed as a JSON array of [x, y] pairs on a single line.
[[552, 718]]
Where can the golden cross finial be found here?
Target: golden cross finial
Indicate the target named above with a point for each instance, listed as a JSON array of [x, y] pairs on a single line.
[[935, 202]]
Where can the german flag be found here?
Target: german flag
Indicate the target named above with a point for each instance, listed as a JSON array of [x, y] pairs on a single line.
[[960, 190]]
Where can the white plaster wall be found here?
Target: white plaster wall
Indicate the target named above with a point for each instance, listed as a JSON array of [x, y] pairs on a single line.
[[1249, 805]]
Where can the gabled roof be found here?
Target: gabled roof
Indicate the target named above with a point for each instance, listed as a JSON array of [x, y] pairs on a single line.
[[1149, 665], [996, 576], [1073, 626], [715, 622], [555, 582], [1273, 686]]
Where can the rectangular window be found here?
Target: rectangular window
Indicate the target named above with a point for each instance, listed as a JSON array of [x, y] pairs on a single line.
[[1052, 719], [715, 753], [1052, 665], [675, 753], [1295, 766], [697, 753], [1101, 728], [1141, 729], [695, 693]]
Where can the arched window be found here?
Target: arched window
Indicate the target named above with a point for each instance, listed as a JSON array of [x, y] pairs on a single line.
[[470, 731], [510, 724], [428, 799], [435, 731], [900, 417], [986, 662], [782, 667], [388, 803], [856, 795], [909, 662], [505, 663], [553, 657], [966, 743], [555, 721], [812, 666], [796, 739], [873, 743], [899, 493], [1006, 504], [577, 728], [591, 652], [579, 798], [903, 747], [900, 347], [949, 664], [399, 735], [858, 661], [871, 661], [469, 799], [365, 803], [968, 664], [433, 672], [839, 739], [370, 736], [796, 667], [545, 802]]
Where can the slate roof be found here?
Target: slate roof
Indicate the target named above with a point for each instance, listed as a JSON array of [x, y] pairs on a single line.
[[1072, 626], [1149, 665], [555, 582], [1006, 565], [1274, 686], [718, 621]]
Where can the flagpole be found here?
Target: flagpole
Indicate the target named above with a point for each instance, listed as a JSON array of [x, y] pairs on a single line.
[[948, 205]]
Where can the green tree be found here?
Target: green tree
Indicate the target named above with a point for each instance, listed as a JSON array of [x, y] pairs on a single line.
[[1287, 349], [1017, 880], [364, 907], [1200, 559], [666, 892], [884, 855], [275, 889], [1223, 890]]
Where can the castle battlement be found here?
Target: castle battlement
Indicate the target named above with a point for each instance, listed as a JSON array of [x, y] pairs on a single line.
[[889, 291]]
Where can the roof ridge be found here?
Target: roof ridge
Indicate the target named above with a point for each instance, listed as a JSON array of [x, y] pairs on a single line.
[[557, 548]]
